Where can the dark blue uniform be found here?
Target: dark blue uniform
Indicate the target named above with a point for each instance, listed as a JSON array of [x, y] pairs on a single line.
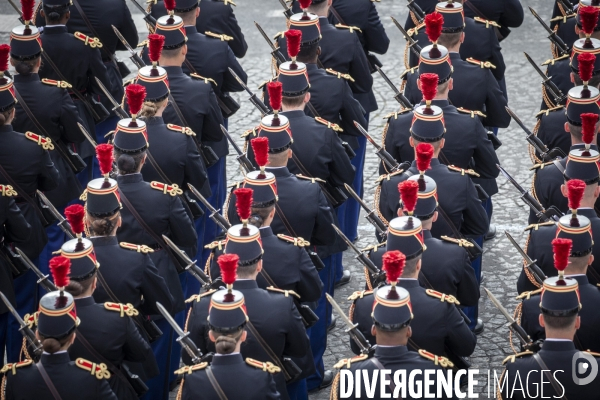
[[559, 71], [280, 327], [566, 31], [507, 13], [551, 129]]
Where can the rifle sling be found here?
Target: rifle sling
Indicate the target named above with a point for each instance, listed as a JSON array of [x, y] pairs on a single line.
[[24, 195], [267, 349], [48, 381], [215, 384], [555, 385]]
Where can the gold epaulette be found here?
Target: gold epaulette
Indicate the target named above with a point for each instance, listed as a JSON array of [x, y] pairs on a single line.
[[60, 84], [249, 132], [8, 191], [140, 248], [347, 362], [396, 113], [279, 35], [123, 309], [472, 112], [438, 360], [297, 241], [514, 356], [45, 142], [31, 319], [527, 295], [265, 366], [482, 64], [313, 180], [264, 83], [535, 227], [143, 43], [339, 74], [188, 369], [198, 297], [548, 111], [228, 2], [88, 40], [350, 28], [463, 171], [330, 125], [359, 294], [173, 190], [217, 244], [487, 22], [415, 31], [541, 165], [100, 371], [286, 293], [407, 71], [222, 36], [202, 78], [388, 176], [13, 366], [375, 247], [448, 298], [553, 60], [183, 129], [460, 242]]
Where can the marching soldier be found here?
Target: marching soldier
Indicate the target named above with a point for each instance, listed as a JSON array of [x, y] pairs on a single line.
[[217, 17], [567, 26], [391, 324], [55, 376], [506, 13]]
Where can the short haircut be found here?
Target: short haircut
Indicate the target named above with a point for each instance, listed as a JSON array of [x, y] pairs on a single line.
[[410, 268], [559, 323], [245, 272], [308, 52], [449, 39], [293, 102]]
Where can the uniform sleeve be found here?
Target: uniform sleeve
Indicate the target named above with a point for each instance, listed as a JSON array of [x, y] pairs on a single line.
[[194, 171], [212, 120], [460, 340], [102, 391], [271, 392], [135, 347], [376, 39], [359, 69], [475, 219], [340, 168], [154, 289], [323, 233], [230, 84], [310, 285], [69, 118], [383, 206], [530, 320], [98, 70], [127, 29], [296, 341], [181, 227], [496, 54], [495, 103], [351, 111], [16, 227], [49, 176], [484, 156], [468, 287], [513, 14], [238, 45], [196, 325]]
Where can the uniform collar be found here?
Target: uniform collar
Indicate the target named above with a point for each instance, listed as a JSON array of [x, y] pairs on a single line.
[[426, 234], [390, 352], [26, 78], [154, 121], [190, 29], [173, 71], [283, 171], [60, 358], [323, 21], [245, 284], [84, 302], [440, 103], [6, 128], [265, 232], [580, 278], [227, 359], [294, 114], [435, 162], [454, 56], [54, 29], [408, 283], [587, 212], [582, 145], [104, 241], [311, 67], [129, 178], [558, 345]]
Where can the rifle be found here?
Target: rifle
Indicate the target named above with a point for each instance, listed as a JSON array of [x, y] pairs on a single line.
[[528, 344], [214, 213], [27, 333], [241, 157], [567, 6], [275, 52], [264, 110], [133, 56], [538, 274], [377, 275], [558, 96], [18, 11], [363, 344], [545, 154], [416, 10], [472, 248], [147, 16], [391, 164], [287, 10], [62, 222], [398, 96], [192, 268], [412, 44], [117, 108], [371, 216], [554, 38], [552, 213], [43, 281]]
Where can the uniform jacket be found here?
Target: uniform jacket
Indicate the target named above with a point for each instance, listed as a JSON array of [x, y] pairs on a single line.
[[551, 130], [559, 72], [566, 31]]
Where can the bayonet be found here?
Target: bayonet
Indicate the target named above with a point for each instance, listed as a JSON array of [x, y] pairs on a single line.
[[398, 96], [191, 266], [371, 216], [133, 56], [376, 273], [416, 10], [413, 44], [352, 330], [554, 38], [567, 6], [264, 110], [557, 94], [214, 213], [147, 16], [275, 52], [183, 337], [18, 10], [391, 164], [35, 343], [287, 10], [241, 156], [544, 154], [538, 274], [62, 222], [87, 135], [117, 108], [43, 281]]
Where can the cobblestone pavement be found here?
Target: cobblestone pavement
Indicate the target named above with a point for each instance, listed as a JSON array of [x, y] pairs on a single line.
[[501, 262]]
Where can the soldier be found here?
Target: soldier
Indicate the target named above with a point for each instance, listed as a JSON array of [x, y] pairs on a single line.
[[227, 322], [275, 335], [438, 325], [217, 17], [151, 210], [567, 26], [506, 13], [14, 227], [391, 325], [553, 369], [55, 376]]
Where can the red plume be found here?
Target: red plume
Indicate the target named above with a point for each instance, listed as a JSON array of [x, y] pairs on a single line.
[[27, 7], [433, 26], [588, 16], [243, 202], [74, 214], [429, 84], [135, 97], [228, 263], [104, 153], [155, 46], [393, 265], [304, 4], [424, 155], [260, 146], [169, 5], [586, 63], [575, 189], [275, 94], [60, 267], [4, 53], [294, 37], [409, 191], [562, 250], [588, 127]]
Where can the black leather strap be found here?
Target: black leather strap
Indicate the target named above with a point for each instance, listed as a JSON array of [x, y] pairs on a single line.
[[265, 346], [48, 381], [555, 385], [24, 195], [380, 366], [215, 384]]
